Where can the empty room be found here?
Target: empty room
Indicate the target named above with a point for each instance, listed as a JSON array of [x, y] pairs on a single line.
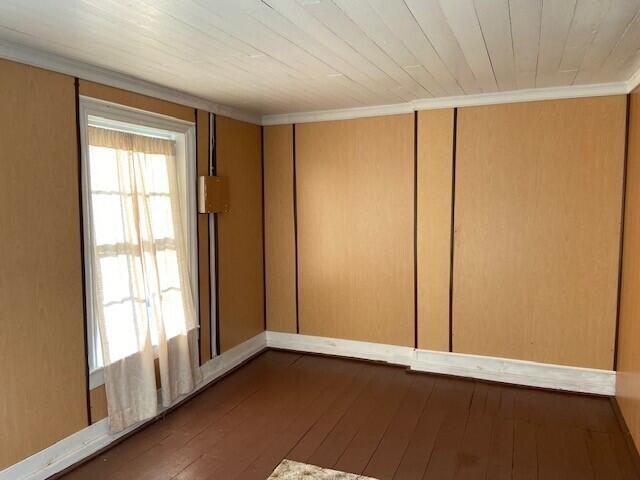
[[319, 239]]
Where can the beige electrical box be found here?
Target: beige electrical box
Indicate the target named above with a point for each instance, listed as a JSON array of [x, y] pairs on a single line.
[[213, 194]]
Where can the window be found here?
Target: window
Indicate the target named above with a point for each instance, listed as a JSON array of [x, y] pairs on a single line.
[[133, 159]]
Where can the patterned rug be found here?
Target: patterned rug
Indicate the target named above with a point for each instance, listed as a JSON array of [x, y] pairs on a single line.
[[289, 470]]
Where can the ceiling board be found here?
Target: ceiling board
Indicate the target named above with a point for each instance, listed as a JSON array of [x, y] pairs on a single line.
[[436, 29], [286, 56], [495, 23], [463, 20], [525, 33]]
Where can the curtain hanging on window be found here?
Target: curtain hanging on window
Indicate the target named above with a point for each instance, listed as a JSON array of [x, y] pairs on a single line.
[[142, 287]]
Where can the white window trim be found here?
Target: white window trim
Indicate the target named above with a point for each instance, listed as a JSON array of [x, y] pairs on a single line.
[[112, 111]]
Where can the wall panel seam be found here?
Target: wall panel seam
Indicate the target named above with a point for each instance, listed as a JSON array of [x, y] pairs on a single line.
[[209, 167], [295, 225], [76, 83], [453, 225], [415, 229], [197, 158], [214, 171], [621, 246], [264, 238]]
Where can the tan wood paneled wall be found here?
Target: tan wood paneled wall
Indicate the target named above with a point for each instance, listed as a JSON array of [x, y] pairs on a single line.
[[240, 258], [355, 229], [98, 401], [279, 235], [204, 268], [136, 100], [628, 376], [42, 355], [537, 224], [435, 184]]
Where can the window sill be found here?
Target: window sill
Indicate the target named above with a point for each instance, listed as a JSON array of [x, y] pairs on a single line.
[[96, 378]]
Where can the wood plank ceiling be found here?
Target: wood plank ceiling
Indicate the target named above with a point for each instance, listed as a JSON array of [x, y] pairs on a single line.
[[285, 56]]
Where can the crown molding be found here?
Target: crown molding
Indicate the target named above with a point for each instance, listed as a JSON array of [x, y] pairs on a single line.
[[61, 64], [634, 81], [529, 95], [85, 71]]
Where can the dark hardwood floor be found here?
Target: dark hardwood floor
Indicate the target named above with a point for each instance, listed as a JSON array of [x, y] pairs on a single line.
[[377, 420]]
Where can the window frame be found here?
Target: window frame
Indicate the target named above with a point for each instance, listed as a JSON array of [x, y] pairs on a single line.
[[119, 113]]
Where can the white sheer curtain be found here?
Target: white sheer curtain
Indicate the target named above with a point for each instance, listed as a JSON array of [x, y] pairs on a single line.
[[143, 298]]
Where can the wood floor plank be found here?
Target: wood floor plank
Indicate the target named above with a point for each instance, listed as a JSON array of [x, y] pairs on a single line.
[[623, 457], [485, 436], [244, 447], [361, 411], [549, 451], [602, 457], [303, 450], [234, 387], [284, 441], [386, 459], [418, 452], [599, 415], [177, 450], [103, 465], [525, 454], [473, 459], [576, 461], [500, 462], [203, 415], [250, 407], [562, 453], [444, 459], [367, 439], [220, 439]]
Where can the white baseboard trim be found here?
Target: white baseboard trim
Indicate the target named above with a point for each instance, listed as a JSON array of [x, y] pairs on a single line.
[[93, 438], [519, 372], [86, 442], [505, 370], [343, 348], [232, 358]]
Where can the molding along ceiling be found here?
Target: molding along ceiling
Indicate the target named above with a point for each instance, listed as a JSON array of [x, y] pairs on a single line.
[[275, 61], [529, 95], [85, 71]]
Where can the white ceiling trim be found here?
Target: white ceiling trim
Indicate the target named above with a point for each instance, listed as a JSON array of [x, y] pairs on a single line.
[[634, 81], [529, 95], [85, 71], [38, 58]]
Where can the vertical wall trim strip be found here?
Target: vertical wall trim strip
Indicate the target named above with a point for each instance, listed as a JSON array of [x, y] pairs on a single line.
[[209, 153], [415, 229], [295, 224], [82, 246], [214, 171], [198, 246], [621, 246], [264, 258], [453, 227]]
